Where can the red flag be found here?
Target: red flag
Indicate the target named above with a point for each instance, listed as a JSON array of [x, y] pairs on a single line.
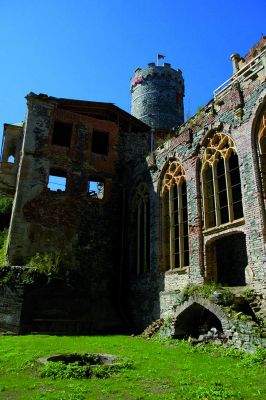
[[160, 57], [137, 80]]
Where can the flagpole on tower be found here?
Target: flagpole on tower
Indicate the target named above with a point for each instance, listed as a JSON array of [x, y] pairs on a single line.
[[159, 57]]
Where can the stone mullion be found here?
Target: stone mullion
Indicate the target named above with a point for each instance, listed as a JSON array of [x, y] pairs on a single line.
[[181, 227]]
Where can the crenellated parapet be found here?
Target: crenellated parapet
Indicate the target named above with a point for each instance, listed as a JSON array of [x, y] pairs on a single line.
[[157, 96]]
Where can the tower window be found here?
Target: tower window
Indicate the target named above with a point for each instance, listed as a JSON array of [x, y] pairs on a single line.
[[62, 133], [100, 142]]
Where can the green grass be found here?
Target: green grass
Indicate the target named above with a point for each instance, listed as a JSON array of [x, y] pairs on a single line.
[[161, 370]]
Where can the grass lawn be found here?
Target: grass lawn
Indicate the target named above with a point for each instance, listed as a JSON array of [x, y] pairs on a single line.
[[161, 370]]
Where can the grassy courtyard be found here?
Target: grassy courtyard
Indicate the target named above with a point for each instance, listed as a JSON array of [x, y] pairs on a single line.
[[157, 370]]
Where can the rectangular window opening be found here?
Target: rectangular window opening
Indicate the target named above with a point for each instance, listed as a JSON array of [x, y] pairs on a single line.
[[95, 188], [100, 142], [62, 133], [57, 181]]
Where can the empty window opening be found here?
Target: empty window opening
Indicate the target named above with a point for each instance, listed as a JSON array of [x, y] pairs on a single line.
[[62, 133], [194, 321], [231, 258], [226, 260], [100, 142], [57, 181], [11, 159], [95, 188]]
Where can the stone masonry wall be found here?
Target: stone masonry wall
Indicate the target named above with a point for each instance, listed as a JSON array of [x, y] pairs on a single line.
[[234, 113], [84, 231]]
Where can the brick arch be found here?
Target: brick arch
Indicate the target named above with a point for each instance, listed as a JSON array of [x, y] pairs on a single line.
[[209, 131], [239, 229], [205, 304], [259, 108], [257, 154]]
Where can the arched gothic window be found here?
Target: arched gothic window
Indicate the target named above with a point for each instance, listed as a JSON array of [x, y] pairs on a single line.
[[262, 149], [174, 218], [221, 182], [142, 207]]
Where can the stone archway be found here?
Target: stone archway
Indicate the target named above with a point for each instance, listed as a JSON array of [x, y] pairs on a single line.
[[197, 316]]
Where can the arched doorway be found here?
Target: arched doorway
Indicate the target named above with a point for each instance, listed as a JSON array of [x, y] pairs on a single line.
[[194, 321]]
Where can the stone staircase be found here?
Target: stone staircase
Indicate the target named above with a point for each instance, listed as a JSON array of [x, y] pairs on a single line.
[[257, 302]]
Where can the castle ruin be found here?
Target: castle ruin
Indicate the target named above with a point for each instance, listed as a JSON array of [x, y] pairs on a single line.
[[138, 206]]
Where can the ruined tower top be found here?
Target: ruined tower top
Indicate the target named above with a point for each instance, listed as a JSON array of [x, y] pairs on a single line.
[[157, 96]]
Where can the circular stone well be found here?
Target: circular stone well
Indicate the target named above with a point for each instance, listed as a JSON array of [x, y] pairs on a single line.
[[91, 359]]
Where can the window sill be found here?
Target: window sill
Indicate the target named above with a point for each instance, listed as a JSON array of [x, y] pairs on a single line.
[[224, 227], [179, 271]]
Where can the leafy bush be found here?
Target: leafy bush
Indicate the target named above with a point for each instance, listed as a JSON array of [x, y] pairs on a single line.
[[5, 205], [257, 358], [107, 370], [5, 211], [249, 294], [60, 370], [3, 246], [7, 275], [46, 265], [245, 359], [214, 292]]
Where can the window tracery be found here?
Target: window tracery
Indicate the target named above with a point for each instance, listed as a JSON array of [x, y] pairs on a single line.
[[142, 207], [222, 195], [174, 218]]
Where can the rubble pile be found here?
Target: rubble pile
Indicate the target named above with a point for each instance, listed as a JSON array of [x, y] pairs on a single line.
[[152, 329]]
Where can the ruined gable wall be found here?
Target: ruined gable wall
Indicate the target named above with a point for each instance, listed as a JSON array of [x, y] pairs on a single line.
[[11, 146], [84, 231]]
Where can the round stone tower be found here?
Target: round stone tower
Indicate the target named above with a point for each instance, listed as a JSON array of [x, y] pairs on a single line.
[[157, 96]]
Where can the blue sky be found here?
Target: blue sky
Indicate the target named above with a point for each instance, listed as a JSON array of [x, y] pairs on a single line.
[[88, 49]]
